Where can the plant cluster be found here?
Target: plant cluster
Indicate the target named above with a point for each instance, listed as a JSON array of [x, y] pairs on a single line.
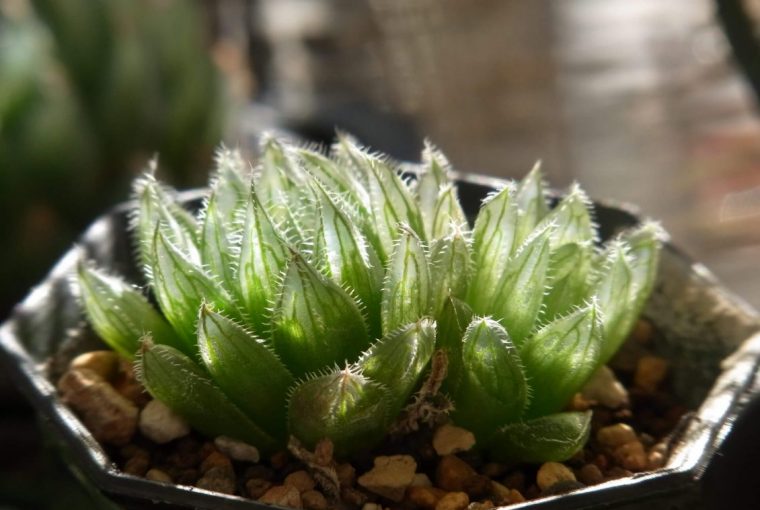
[[310, 292]]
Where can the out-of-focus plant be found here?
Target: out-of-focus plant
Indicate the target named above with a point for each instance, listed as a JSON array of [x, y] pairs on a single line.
[[309, 298], [88, 92]]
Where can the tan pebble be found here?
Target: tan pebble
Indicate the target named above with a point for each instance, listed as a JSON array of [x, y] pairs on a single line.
[[450, 439], [346, 474], [655, 460], [515, 496], [372, 506], [481, 505], [579, 403], [282, 495], [160, 424], [217, 479], [127, 385], [616, 472], [421, 480], [279, 460], [453, 501], [237, 450], [158, 476], [500, 493], [110, 417], [650, 372], [477, 486], [452, 473], [631, 456], [314, 500], [590, 474], [493, 470], [616, 435], [138, 463], [390, 476], [552, 472], [301, 480], [103, 363], [604, 388], [424, 497], [353, 496], [257, 487], [216, 459]]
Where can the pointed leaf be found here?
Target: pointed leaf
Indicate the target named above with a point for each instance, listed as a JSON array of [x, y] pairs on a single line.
[[452, 322], [554, 438], [245, 368], [614, 293], [348, 258], [216, 242], [397, 360], [315, 322], [230, 182], [184, 387], [531, 201], [569, 267], [450, 269], [180, 286], [519, 294], [407, 289], [119, 313], [335, 177], [493, 243], [645, 247], [262, 260], [572, 219], [447, 211], [493, 389], [346, 407], [560, 358], [433, 178]]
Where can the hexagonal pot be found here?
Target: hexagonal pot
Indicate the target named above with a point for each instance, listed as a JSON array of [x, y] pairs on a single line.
[[700, 323]]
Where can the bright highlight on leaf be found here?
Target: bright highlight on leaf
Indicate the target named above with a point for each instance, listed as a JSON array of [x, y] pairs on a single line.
[[310, 293]]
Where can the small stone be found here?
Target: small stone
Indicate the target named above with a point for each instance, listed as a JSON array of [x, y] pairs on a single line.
[[237, 450], [346, 474], [110, 417], [563, 487], [216, 460], [424, 497], [579, 403], [500, 493], [353, 496], [127, 385], [642, 332], [515, 480], [452, 473], [616, 472], [279, 460], [390, 476], [631, 456], [481, 505], [453, 501], [552, 472], [603, 387], [138, 463], [258, 471], [186, 476], [207, 448], [655, 460], [372, 506], [590, 474], [160, 424], [516, 496], [282, 495], [650, 372], [314, 500], [301, 480], [616, 435], [217, 479], [477, 486], [257, 487], [158, 476], [103, 363], [421, 480], [493, 470], [450, 439]]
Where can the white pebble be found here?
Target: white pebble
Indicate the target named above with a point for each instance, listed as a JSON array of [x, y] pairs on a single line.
[[237, 450], [604, 388], [160, 424]]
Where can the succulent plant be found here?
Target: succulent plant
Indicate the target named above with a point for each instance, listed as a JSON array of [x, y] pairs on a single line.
[[309, 294]]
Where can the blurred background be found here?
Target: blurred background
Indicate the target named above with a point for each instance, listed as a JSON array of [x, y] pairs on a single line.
[[649, 102]]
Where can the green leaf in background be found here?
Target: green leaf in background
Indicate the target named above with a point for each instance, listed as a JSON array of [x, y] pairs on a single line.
[[555, 437]]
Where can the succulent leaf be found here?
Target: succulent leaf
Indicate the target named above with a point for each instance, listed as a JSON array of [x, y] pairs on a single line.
[[560, 357], [494, 240], [407, 290], [452, 322], [343, 405], [177, 381], [531, 202], [446, 212], [572, 219], [262, 260], [119, 313], [432, 179], [519, 294], [315, 322], [492, 389], [555, 437], [569, 269], [230, 183], [450, 269], [397, 360], [180, 286], [245, 368], [217, 241], [335, 177]]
